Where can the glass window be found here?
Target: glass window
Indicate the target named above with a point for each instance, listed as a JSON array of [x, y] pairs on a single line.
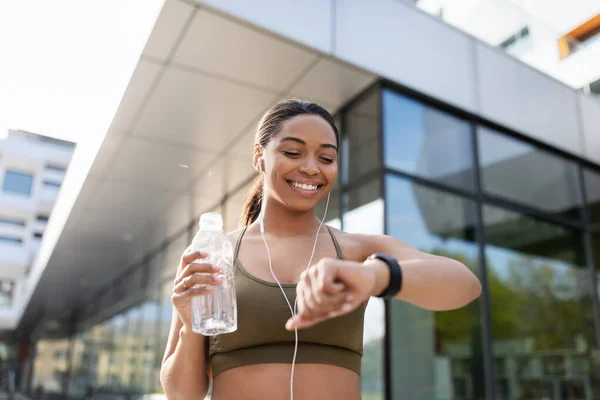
[[596, 249], [51, 186], [50, 367], [18, 182], [165, 314], [365, 215], [542, 313], [97, 355], [361, 138], [10, 240], [435, 355], [12, 222], [426, 142], [6, 293], [79, 377], [116, 377], [130, 374], [55, 168], [148, 375], [522, 173], [592, 194]]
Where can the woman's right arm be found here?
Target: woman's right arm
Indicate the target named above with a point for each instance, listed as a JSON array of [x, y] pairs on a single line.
[[184, 373]]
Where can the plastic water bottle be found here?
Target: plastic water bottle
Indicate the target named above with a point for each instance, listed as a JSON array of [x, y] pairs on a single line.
[[215, 313]]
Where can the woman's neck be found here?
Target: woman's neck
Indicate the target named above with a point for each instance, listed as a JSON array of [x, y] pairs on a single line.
[[280, 220]]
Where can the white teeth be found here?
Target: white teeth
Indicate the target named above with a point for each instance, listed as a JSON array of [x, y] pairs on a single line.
[[303, 186]]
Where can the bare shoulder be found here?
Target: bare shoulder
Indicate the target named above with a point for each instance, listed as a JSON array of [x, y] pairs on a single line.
[[359, 246], [354, 246]]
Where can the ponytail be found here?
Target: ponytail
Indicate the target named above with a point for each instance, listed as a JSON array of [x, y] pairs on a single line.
[[251, 209]]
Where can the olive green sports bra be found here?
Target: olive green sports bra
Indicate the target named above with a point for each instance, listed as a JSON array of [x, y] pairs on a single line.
[[261, 336]]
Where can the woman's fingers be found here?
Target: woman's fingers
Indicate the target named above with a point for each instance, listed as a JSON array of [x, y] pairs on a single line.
[[192, 292], [195, 268], [202, 279], [192, 256]]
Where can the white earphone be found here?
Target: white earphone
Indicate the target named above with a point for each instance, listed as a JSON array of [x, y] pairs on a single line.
[[261, 217]]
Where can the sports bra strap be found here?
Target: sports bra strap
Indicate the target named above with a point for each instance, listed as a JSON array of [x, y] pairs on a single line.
[[239, 241], [335, 243]]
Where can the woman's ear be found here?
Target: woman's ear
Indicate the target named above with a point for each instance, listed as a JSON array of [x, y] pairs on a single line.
[[258, 161]]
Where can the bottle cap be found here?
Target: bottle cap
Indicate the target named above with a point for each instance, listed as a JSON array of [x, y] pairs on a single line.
[[211, 220]]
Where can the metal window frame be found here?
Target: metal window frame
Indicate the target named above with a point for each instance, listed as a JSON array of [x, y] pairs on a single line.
[[583, 226]]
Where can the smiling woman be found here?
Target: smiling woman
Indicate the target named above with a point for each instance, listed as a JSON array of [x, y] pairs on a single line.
[[300, 323]]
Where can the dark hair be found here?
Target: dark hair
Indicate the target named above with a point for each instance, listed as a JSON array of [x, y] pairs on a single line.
[[270, 125]]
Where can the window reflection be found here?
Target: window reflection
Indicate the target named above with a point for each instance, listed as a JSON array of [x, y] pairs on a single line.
[[50, 369], [542, 312], [596, 249], [434, 355], [119, 326], [361, 140], [165, 314], [592, 194], [523, 173], [79, 376], [426, 142], [129, 372]]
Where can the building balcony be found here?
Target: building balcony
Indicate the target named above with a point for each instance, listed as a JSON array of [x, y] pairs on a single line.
[[14, 201]]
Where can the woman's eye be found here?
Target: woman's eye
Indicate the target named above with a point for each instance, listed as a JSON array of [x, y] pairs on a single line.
[[327, 160], [291, 153]]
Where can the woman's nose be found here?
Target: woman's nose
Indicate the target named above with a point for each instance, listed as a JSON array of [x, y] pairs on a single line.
[[310, 168]]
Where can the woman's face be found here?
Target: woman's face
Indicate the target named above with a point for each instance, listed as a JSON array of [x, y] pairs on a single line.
[[300, 162]]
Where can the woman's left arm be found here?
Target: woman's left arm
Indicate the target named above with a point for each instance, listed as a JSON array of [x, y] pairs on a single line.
[[433, 282]]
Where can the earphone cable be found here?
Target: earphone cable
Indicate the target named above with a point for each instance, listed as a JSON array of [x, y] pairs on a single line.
[[292, 310]]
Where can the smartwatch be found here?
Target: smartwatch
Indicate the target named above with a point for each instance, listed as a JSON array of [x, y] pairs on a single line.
[[395, 284]]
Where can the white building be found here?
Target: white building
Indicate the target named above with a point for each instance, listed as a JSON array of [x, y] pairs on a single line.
[[556, 37], [32, 170]]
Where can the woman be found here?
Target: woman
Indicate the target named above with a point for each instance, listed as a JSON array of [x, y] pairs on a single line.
[[296, 150]]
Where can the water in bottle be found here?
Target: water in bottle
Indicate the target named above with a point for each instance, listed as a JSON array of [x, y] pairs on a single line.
[[215, 313]]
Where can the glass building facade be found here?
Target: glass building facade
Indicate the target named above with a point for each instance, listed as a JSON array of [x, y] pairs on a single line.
[[524, 217]]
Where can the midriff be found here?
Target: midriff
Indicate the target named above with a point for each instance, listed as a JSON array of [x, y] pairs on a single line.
[[272, 381]]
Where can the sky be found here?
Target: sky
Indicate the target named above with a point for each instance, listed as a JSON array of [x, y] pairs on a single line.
[[64, 64]]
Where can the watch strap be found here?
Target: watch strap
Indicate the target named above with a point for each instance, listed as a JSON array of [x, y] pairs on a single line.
[[395, 283]]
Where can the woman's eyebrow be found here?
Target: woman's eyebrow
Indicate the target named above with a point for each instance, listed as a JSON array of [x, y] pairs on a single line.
[[298, 140]]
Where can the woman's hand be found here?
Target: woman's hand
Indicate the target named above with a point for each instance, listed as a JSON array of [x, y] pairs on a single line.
[[193, 273], [331, 288]]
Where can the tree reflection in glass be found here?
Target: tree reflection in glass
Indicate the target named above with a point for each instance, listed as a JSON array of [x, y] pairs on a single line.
[[434, 355], [542, 311]]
